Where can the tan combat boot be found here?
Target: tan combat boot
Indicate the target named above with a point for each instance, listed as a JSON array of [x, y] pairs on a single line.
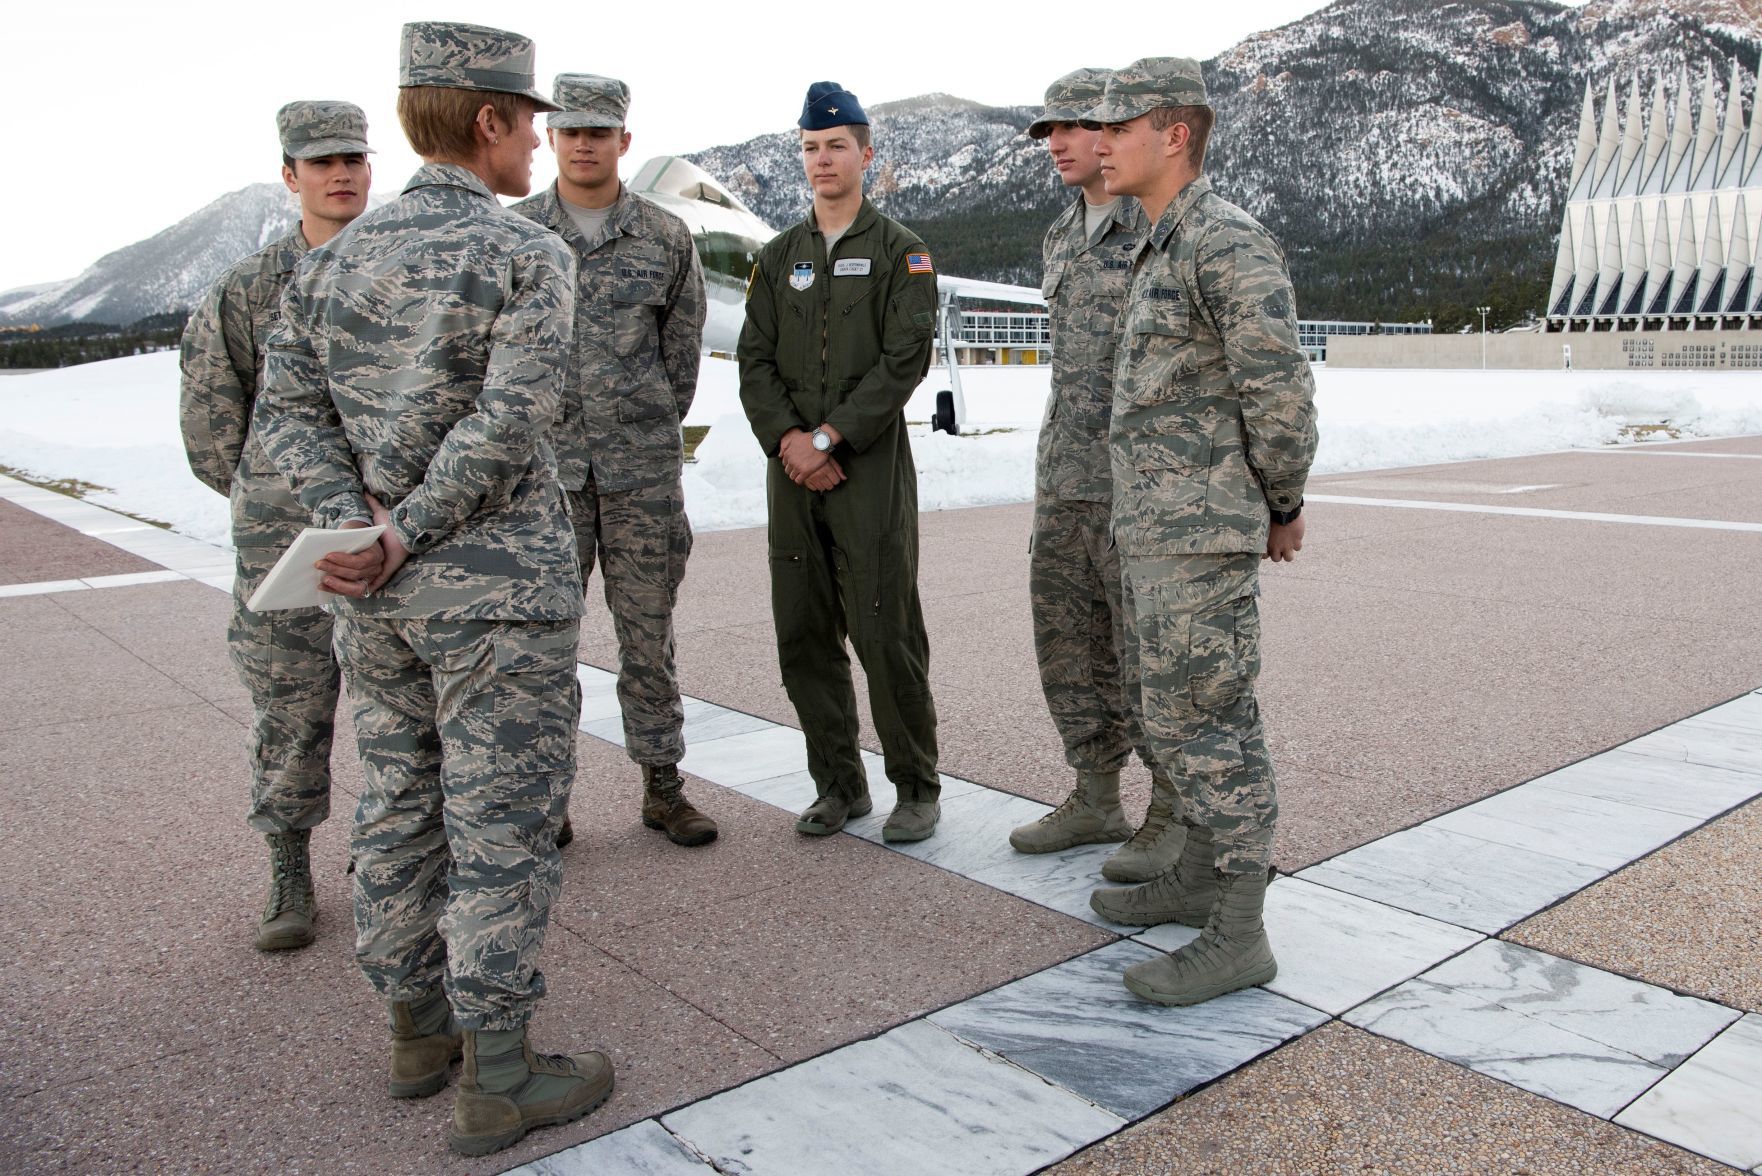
[[1090, 814], [1232, 952], [425, 1042], [1156, 847], [664, 807], [1183, 895], [506, 1090], [290, 914]]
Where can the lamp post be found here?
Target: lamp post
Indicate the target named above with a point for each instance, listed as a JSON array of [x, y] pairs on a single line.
[[1484, 311]]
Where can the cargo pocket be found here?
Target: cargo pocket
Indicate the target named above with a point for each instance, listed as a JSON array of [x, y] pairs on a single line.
[[876, 582], [790, 599], [536, 700], [1223, 653]]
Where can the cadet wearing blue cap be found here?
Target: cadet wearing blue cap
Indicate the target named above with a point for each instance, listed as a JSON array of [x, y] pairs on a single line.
[[840, 314]]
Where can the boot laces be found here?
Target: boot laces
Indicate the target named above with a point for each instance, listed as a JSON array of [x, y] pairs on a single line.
[[292, 879], [1071, 804]]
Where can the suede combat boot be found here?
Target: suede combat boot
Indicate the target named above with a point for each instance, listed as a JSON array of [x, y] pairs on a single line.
[[912, 820], [506, 1090], [664, 807], [292, 909], [566, 834], [1156, 846], [1232, 952], [1090, 814], [425, 1041], [828, 814], [1183, 895]]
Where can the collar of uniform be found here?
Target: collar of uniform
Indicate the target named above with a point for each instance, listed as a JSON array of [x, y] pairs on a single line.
[[448, 175], [866, 216], [290, 249], [1176, 212]]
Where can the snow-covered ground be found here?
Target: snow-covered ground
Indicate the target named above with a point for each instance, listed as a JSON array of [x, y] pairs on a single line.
[[114, 424]]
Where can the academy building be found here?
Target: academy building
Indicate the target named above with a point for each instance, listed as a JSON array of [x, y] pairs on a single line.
[[1664, 213]]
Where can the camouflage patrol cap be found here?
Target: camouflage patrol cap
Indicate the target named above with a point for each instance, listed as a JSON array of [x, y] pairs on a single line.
[[1069, 99], [314, 129], [468, 57], [1146, 84], [588, 100]]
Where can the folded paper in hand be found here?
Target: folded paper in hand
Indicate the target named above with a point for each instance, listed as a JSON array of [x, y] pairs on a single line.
[[293, 581]]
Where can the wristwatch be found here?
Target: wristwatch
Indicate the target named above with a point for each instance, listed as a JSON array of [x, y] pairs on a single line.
[[1284, 517], [822, 441]]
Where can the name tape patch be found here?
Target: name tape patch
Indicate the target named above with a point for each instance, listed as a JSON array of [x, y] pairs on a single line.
[[851, 267]]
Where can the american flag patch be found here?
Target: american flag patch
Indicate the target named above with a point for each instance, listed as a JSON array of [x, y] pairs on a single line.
[[918, 263]]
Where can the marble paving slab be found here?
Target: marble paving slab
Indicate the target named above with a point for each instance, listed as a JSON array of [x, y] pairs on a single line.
[[43, 587], [1742, 713], [1585, 829], [1077, 1024], [1061, 881], [705, 721], [1453, 877], [1712, 1103], [1693, 790], [972, 834], [738, 760], [1578, 1035], [914, 1100], [1337, 950], [1714, 744], [641, 1149]]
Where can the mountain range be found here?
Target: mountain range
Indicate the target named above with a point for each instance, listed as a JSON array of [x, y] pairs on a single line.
[[1412, 158]]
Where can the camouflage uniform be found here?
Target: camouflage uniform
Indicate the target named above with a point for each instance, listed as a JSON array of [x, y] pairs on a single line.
[[639, 318], [422, 359], [1213, 424], [1073, 568], [284, 657]]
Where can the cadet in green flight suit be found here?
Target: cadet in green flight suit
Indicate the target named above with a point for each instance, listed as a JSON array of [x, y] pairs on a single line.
[[840, 314]]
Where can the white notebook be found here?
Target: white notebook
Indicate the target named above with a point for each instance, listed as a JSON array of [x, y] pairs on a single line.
[[293, 581]]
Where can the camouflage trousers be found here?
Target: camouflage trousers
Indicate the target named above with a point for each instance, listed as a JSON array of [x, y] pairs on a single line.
[[284, 660], [1195, 623], [1079, 633], [642, 540], [467, 735]]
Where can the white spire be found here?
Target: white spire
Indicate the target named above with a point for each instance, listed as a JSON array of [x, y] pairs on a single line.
[[1685, 287], [1563, 256], [1609, 273], [1676, 177], [1608, 146], [1633, 271], [1739, 259], [1731, 141], [1587, 143], [1626, 175], [1658, 275], [1704, 173], [1755, 149], [1712, 256], [1585, 277], [1657, 135]]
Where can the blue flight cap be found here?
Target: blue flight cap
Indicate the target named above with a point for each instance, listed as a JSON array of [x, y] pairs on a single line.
[[831, 105]]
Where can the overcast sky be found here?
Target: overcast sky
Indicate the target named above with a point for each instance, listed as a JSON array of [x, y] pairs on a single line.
[[125, 118]]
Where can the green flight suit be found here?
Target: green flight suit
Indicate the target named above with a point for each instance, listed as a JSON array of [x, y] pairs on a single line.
[[844, 340]]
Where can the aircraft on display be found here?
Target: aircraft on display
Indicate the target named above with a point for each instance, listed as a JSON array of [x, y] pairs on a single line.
[[729, 236]]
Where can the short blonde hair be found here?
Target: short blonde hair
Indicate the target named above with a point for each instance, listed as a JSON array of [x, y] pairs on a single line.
[[438, 120]]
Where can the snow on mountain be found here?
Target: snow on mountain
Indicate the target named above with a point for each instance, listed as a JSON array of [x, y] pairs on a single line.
[[168, 271]]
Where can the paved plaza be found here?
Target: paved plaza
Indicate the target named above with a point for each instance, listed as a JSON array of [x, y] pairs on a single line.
[[1514, 712]]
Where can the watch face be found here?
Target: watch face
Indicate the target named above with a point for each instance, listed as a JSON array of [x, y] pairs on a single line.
[[821, 441]]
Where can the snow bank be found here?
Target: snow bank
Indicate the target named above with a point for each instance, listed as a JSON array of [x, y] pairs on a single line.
[[115, 424]]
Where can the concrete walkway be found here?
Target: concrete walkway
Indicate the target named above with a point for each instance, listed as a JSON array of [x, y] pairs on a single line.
[[1459, 991]]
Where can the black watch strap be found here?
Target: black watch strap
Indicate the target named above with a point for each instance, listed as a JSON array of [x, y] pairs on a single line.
[[1283, 517]]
